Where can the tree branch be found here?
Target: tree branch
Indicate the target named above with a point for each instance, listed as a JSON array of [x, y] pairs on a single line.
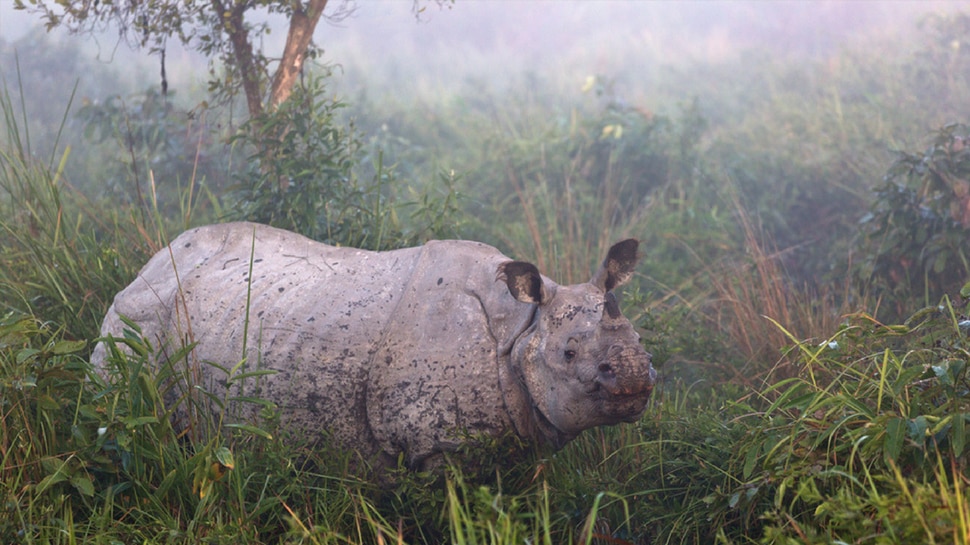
[[234, 26], [302, 24]]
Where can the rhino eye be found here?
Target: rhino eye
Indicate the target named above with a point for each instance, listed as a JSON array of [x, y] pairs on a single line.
[[570, 354]]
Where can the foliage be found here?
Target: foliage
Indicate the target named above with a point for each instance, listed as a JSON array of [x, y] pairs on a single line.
[[659, 482], [227, 33], [914, 245], [97, 455], [222, 32], [42, 429], [557, 179], [62, 259], [876, 419], [786, 414], [152, 150], [300, 175], [868, 440]]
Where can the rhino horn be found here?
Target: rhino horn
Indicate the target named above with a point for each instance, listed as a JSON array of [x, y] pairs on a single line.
[[612, 318]]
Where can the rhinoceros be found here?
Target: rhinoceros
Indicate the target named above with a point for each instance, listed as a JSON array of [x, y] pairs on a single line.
[[398, 354]]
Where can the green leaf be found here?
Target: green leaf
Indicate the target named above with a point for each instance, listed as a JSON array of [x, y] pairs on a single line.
[[224, 456], [136, 421], [50, 481], [59, 471], [250, 374], [959, 434], [68, 347], [255, 401], [166, 484], [895, 433], [917, 429], [957, 367], [47, 403], [942, 372], [783, 400], [251, 429], [82, 482], [750, 459], [26, 354]]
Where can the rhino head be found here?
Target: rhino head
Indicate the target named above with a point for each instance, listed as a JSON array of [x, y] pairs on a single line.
[[579, 360]]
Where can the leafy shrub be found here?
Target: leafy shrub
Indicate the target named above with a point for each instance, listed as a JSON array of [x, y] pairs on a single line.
[[878, 415], [153, 152], [43, 430], [300, 175], [914, 245]]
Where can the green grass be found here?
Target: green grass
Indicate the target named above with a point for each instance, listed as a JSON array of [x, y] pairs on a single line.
[[869, 439]]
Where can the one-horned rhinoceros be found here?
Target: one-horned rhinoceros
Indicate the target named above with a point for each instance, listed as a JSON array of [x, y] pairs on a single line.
[[394, 353]]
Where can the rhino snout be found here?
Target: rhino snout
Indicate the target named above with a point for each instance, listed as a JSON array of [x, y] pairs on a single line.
[[626, 374]]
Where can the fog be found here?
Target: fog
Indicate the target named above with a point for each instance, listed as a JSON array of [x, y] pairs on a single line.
[[441, 45], [390, 59]]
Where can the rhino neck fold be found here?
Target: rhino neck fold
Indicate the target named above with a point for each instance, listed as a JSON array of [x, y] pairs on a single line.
[[527, 322], [550, 433], [527, 420]]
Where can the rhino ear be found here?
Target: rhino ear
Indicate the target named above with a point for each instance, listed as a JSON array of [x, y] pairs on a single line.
[[618, 266], [523, 280]]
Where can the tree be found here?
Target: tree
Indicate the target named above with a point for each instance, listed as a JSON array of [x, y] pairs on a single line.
[[299, 168], [222, 30]]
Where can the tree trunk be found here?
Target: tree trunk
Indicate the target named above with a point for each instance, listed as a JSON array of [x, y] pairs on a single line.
[[302, 23], [242, 49]]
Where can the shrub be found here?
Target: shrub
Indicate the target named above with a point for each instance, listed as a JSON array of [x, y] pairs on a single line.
[[913, 248], [152, 152], [870, 439], [300, 175]]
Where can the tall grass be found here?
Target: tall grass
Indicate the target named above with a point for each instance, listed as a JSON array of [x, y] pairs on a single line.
[[65, 256], [754, 293], [877, 415]]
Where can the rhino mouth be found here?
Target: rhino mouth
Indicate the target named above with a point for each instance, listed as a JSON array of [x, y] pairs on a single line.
[[622, 382], [624, 403]]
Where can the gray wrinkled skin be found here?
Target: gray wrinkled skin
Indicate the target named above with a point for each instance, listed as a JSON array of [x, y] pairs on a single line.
[[399, 352]]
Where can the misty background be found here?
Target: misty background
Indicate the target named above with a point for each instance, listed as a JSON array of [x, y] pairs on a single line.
[[390, 51], [798, 107]]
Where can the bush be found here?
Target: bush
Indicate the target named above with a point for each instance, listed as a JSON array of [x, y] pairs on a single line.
[[154, 153], [913, 249], [300, 175], [871, 438]]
